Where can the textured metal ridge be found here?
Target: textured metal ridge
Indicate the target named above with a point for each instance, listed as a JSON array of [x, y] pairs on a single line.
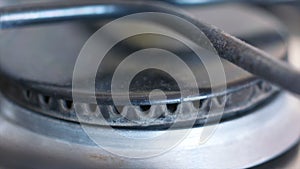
[[235, 101]]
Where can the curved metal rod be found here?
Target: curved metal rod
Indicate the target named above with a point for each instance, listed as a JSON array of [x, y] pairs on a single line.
[[230, 48]]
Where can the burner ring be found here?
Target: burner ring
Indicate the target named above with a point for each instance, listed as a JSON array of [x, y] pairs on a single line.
[[235, 101]]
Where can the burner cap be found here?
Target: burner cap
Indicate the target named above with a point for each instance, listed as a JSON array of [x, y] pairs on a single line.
[[37, 66]]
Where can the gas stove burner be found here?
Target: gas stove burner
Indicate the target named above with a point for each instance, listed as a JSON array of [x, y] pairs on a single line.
[[52, 95], [39, 120]]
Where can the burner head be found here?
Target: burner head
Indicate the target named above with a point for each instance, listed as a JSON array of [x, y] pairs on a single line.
[[38, 75]]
